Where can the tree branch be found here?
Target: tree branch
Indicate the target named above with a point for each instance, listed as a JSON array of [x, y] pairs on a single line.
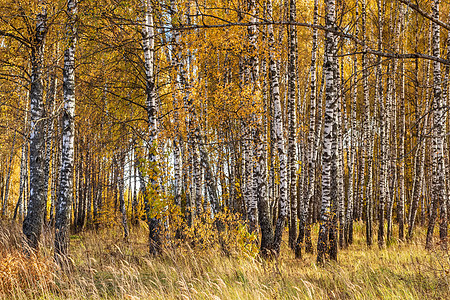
[[425, 14]]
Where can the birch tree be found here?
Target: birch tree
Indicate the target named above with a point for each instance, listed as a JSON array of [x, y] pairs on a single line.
[[382, 129], [348, 230], [151, 193], [329, 187], [368, 139], [279, 137], [438, 173], [249, 155], [292, 153], [32, 225], [402, 132], [64, 204], [311, 150]]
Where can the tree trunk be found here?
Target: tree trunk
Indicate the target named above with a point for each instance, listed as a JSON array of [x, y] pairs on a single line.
[[278, 126], [32, 225], [368, 139], [438, 172], [121, 185], [8, 176], [64, 204], [339, 208], [352, 168], [383, 134], [151, 190], [310, 153], [329, 188], [402, 132], [292, 123]]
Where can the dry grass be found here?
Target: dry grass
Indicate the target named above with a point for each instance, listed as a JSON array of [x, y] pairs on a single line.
[[104, 266]]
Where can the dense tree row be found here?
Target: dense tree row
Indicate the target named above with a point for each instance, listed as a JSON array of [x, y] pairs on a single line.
[[287, 112]]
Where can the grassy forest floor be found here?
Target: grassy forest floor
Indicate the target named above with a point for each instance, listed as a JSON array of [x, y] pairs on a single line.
[[105, 266]]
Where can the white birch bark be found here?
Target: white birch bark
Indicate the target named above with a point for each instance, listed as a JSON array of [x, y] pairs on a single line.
[[352, 167], [262, 199], [311, 149], [329, 136], [65, 198], [382, 127], [338, 209], [251, 78], [32, 225], [177, 139], [391, 124], [368, 138], [438, 172], [292, 122], [443, 226], [148, 45], [402, 132], [279, 137]]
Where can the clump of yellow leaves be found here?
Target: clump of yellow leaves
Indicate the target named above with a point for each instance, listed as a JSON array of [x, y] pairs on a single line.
[[225, 231]]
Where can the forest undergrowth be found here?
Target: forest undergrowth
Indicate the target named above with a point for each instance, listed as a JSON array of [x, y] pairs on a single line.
[[105, 266]]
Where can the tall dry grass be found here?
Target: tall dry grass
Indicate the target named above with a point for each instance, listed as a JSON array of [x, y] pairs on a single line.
[[104, 266]]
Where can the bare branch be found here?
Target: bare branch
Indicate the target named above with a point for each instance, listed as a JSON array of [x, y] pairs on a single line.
[[425, 14]]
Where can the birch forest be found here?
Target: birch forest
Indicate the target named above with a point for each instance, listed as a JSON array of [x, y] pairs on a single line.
[[224, 149]]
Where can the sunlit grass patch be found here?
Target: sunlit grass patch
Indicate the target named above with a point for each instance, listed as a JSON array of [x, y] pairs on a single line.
[[105, 266]]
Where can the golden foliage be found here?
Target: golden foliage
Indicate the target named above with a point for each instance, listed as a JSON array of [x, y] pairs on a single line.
[[226, 231]]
